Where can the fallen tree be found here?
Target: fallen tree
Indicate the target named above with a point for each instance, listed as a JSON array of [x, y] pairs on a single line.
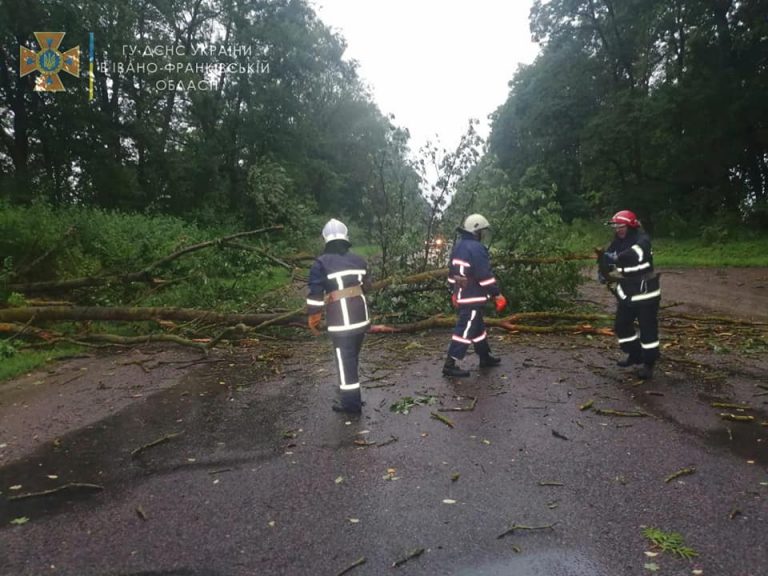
[[143, 275]]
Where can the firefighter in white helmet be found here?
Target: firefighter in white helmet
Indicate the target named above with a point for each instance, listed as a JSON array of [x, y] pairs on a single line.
[[337, 281], [473, 285]]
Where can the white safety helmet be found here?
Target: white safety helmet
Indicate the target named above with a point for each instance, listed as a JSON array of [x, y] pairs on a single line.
[[335, 230], [475, 222]]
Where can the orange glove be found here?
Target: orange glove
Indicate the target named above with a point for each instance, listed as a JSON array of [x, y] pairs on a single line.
[[313, 321], [454, 301], [500, 303]]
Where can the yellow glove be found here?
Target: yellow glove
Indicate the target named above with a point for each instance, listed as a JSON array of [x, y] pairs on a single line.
[[313, 321]]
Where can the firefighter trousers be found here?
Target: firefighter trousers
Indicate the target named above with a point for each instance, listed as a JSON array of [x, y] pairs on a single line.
[[470, 329], [643, 345], [346, 350]]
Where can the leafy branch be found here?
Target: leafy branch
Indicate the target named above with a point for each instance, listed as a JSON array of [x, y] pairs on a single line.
[[669, 542]]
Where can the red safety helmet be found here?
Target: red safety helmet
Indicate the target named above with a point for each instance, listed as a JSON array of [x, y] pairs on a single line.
[[625, 218]]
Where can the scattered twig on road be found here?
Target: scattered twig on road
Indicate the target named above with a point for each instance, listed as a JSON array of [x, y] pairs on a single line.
[[72, 379], [610, 412], [587, 405], [682, 472], [557, 434], [442, 419], [737, 417], [409, 556], [551, 484], [383, 385], [731, 405], [390, 441], [70, 486], [139, 363], [140, 512], [186, 363], [359, 562], [468, 408], [166, 438], [514, 527]]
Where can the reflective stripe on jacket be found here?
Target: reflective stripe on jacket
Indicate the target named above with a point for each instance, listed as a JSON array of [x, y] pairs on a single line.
[[469, 272], [333, 272]]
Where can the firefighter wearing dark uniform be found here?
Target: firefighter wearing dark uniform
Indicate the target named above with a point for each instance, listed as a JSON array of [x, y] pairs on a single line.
[[336, 283], [635, 284], [473, 284]]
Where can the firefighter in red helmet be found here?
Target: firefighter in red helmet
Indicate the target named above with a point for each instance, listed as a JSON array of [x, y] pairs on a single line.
[[337, 281], [627, 267]]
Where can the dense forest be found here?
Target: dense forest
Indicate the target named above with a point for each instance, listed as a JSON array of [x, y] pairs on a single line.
[[283, 125], [657, 105]]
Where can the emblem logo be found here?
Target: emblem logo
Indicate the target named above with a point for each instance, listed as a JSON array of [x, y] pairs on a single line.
[[49, 61]]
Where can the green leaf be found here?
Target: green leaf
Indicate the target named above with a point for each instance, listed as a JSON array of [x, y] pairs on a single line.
[[20, 520], [404, 405]]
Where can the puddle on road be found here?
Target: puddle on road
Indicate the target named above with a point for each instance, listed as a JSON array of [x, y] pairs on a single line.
[[216, 426], [748, 440], [551, 563]]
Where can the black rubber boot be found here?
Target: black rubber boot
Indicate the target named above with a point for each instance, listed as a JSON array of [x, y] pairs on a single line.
[[348, 408], [489, 361], [629, 361], [645, 372], [451, 370], [350, 402]]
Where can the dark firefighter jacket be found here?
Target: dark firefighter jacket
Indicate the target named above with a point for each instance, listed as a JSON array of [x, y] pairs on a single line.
[[469, 272], [638, 282], [336, 281]]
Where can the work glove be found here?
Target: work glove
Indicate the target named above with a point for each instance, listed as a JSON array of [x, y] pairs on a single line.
[[454, 301], [313, 321], [609, 259], [500, 302]]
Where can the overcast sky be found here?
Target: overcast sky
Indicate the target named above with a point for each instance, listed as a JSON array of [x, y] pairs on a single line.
[[434, 64]]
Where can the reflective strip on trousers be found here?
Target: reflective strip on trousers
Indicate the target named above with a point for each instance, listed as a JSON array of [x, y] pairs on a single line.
[[630, 339], [343, 384]]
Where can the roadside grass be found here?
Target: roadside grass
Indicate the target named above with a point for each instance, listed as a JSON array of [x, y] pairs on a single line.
[[693, 253], [24, 361], [751, 250]]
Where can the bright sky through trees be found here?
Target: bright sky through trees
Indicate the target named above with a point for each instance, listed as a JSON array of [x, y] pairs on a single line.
[[434, 64]]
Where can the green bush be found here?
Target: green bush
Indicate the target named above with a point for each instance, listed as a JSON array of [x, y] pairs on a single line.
[[79, 242]]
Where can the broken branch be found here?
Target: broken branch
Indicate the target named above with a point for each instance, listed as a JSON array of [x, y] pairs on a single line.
[[70, 486], [730, 405], [442, 419], [469, 408], [610, 412], [166, 438], [409, 556], [682, 472], [514, 527], [355, 564], [737, 417]]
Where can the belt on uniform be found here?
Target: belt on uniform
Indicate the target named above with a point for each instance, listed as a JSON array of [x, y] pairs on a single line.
[[344, 293], [642, 278]]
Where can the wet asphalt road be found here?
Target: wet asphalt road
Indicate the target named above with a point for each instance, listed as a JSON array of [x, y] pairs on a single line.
[[264, 479]]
